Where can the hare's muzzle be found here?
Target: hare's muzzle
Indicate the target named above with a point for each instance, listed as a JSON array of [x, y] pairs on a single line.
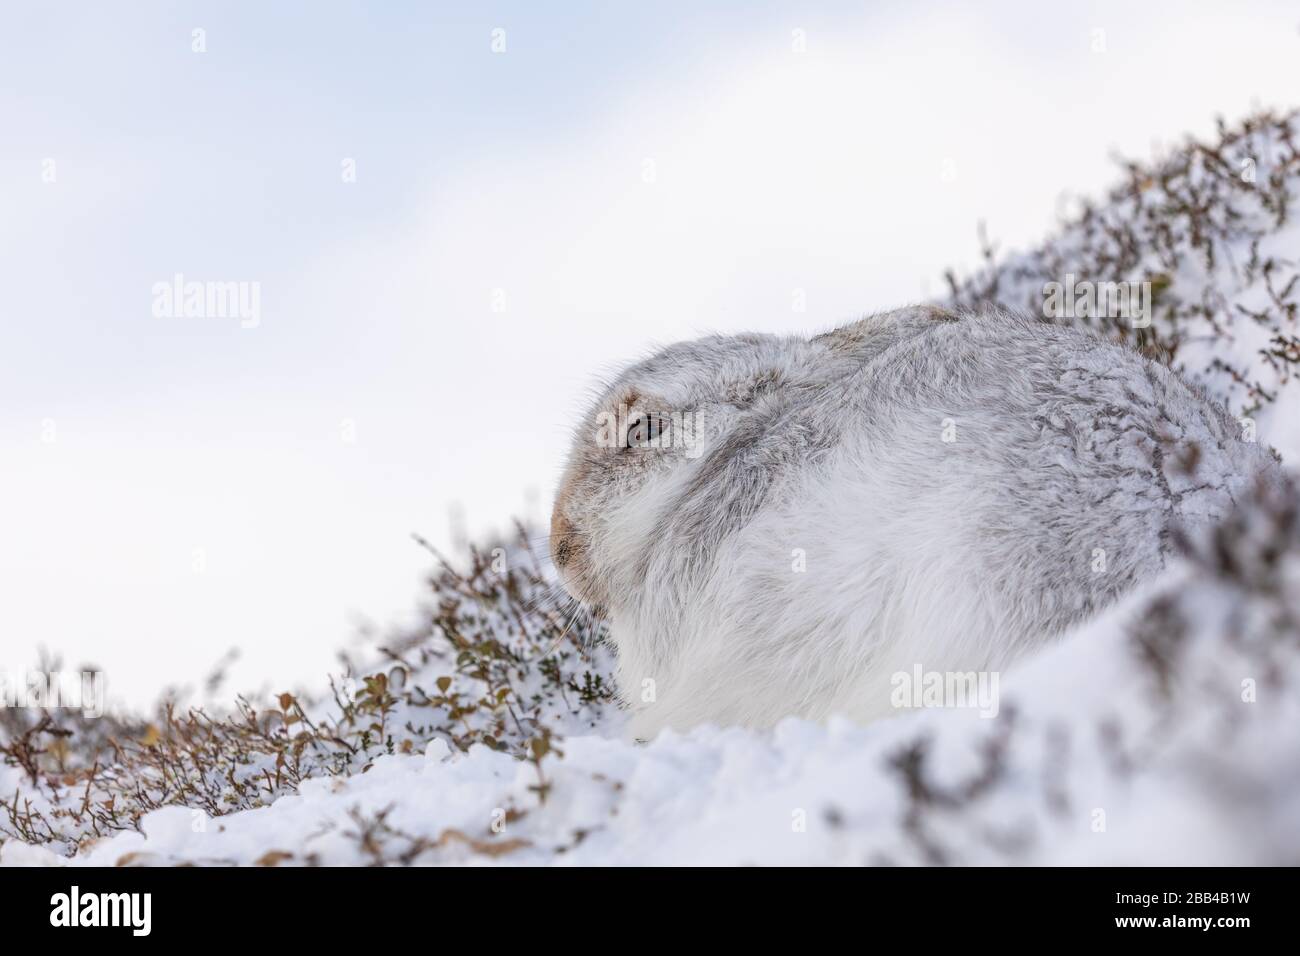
[[563, 540], [571, 553]]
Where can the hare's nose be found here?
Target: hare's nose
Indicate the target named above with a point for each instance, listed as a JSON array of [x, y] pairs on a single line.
[[561, 538]]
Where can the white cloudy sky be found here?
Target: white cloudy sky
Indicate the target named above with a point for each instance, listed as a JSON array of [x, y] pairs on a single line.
[[521, 171]]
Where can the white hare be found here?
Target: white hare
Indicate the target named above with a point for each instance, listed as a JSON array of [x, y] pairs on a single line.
[[777, 526]]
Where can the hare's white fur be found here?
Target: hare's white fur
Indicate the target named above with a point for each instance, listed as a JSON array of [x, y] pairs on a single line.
[[956, 490]]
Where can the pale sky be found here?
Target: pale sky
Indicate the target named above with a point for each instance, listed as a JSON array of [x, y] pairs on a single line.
[[620, 175]]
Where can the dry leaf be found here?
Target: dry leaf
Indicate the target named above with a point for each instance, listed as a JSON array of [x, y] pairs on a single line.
[[486, 847], [272, 858]]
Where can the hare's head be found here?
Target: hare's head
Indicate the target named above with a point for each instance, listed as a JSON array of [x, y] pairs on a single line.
[[654, 461]]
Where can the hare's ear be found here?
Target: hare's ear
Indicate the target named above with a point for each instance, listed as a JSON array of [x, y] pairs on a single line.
[[747, 390], [855, 335]]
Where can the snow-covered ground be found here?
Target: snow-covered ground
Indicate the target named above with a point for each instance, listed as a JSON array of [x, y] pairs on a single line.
[[1164, 732], [1087, 761]]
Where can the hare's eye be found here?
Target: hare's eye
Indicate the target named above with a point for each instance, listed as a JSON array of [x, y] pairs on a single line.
[[645, 429]]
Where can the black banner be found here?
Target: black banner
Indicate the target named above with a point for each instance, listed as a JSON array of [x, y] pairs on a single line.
[[341, 905]]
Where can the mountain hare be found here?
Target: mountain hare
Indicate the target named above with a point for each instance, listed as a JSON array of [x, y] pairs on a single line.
[[778, 526]]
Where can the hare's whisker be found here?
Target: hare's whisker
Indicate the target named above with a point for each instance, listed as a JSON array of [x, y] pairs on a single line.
[[564, 633]]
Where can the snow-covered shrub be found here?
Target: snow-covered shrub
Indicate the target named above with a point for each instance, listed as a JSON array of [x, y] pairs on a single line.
[[496, 664], [1214, 229]]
